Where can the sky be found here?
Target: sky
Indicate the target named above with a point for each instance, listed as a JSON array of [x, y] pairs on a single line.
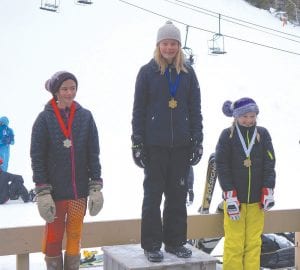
[[104, 45]]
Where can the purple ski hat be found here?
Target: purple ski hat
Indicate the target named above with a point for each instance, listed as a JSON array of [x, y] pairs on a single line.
[[239, 107]]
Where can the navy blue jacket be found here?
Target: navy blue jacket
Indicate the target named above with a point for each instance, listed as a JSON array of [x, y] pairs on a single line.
[[153, 120], [68, 170], [232, 174]]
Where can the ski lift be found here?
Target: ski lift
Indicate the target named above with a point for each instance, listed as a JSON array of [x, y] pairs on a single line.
[[188, 52], [189, 56], [50, 5], [216, 44], [84, 2]]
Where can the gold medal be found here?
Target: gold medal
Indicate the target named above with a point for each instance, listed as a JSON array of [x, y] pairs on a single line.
[[172, 103], [67, 143], [247, 162]]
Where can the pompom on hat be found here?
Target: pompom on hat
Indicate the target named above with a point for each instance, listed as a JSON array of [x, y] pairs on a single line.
[[53, 84], [240, 107], [168, 31]]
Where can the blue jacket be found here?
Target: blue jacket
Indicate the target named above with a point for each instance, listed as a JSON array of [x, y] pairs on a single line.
[[232, 174], [68, 170], [153, 120], [6, 134]]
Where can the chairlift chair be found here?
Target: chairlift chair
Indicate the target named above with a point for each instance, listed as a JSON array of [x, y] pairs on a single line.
[[189, 56], [216, 45], [50, 5], [84, 2]]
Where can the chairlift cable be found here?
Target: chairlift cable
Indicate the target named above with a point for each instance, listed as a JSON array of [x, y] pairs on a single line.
[[209, 31], [166, 17], [226, 16], [223, 17]]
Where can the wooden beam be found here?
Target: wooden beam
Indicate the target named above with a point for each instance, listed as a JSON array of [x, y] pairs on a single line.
[[25, 240]]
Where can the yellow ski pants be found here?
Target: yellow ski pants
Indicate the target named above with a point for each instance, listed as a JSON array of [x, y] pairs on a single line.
[[242, 246]]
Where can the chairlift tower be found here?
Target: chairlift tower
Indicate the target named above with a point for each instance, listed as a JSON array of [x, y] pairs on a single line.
[[216, 44]]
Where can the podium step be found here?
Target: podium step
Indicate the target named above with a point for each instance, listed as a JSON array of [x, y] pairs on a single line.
[[131, 257]]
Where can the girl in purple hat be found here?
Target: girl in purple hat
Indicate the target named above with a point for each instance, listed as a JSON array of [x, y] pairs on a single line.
[[245, 165]]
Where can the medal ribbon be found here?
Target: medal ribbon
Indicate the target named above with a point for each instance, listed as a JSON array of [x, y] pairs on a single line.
[[65, 130], [172, 86], [246, 150]]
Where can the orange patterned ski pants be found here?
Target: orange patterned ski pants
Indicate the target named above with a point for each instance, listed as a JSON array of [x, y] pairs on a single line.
[[69, 219]]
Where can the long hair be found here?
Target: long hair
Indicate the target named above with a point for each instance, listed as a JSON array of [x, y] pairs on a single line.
[[233, 127], [178, 61]]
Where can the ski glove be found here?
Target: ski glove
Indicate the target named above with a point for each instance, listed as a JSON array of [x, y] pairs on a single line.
[[233, 204], [138, 151], [195, 152], [267, 199], [95, 202], [46, 205]]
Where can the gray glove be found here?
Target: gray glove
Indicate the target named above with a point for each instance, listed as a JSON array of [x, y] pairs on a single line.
[[46, 205], [95, 202]]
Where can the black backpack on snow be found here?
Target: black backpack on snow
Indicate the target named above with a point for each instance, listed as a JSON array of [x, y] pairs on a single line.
[[12, 187]]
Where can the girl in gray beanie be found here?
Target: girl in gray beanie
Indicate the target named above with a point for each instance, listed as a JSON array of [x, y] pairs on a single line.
[[166, 139], [245, 163]]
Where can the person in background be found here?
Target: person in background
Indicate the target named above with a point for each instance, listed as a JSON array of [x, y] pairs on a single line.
[[166, 140], [245, 163], [7, 138], [66, 170], [12, 187]]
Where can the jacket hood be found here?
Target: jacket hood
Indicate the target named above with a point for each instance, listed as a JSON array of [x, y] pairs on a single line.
[[4, 120]]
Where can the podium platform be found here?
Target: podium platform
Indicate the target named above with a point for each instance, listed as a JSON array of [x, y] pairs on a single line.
[[131, 257]]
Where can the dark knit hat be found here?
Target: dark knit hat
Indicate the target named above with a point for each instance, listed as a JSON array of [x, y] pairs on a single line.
[[53, 84], [239, 107], [168, 31]]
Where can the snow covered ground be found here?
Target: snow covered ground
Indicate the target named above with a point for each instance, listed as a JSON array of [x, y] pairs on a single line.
[[104, 45]]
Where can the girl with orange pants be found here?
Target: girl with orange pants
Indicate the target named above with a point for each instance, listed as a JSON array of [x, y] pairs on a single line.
[[66, 170]]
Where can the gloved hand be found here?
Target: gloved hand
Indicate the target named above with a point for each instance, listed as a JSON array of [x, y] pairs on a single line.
[[95, 202], [195, 152], [46, 205], [267, 199], [233, 204], [138, 151]]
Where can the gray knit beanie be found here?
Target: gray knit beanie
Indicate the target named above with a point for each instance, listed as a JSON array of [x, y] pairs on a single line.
[[168, 31], [53, 84]]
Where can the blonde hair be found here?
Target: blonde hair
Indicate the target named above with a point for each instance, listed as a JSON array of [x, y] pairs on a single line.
[[162, 63], [232, 129]]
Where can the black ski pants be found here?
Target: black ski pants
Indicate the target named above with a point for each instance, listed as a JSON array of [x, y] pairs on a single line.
[[166, 173]]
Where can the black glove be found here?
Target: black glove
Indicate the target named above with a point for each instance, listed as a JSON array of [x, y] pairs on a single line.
[[138, 151], [196, 152]]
